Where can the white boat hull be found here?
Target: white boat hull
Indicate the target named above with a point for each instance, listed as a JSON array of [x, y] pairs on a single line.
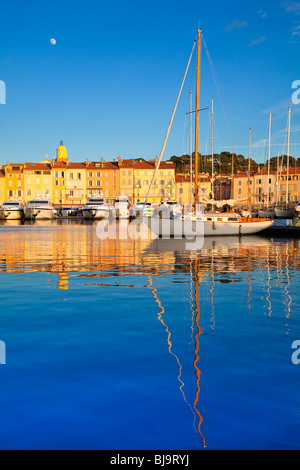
[[35, 213], [191, 228], [284, 213], [11, 214], [95, 214], [266, 214], [121, 213]]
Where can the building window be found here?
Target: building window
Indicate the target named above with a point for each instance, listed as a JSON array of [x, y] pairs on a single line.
[[71, 176], [90, 183]]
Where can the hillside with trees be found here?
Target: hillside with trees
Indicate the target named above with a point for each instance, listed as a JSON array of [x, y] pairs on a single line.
[[223, 163]]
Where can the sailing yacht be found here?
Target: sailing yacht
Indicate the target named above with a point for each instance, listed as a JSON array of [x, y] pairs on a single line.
[[96, 209], [198, 224], [39, 208], [12, 210]]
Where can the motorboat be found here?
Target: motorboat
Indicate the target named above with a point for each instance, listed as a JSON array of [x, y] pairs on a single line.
[[297, 209], [39, 208], [96, 208], [144, 209], [12, 210], [284, 213], [267, 213], [121, 208], [169, 209]]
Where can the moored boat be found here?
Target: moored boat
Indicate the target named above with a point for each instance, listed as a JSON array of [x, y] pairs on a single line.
[[121, 208], [39, 208], [284, 213], [206, 225], [198, 224], [96, 208], [170, 209], [12, 210]]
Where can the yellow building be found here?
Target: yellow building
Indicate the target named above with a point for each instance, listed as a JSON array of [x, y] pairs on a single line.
[[126, 178], [136, 177], [2, 186], [59, 175], [240, 188], [185, 189], [14, 181], [59, 179], [37, 181], [75, 184]]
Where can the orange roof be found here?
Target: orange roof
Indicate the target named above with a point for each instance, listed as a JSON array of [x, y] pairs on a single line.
[[37, 166], [102, 165], [180, 178]]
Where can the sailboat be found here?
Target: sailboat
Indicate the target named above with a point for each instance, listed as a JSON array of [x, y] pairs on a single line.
[[196, 223], [286, 213]]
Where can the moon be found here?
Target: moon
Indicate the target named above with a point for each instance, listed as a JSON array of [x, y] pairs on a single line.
[[53, 41]]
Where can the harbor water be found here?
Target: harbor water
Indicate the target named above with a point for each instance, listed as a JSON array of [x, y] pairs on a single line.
[[144, 344]]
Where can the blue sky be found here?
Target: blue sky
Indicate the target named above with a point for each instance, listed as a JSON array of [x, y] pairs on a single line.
[[109, 84]]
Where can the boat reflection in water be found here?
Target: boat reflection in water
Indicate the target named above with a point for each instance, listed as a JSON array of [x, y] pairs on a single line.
[[191, 303]]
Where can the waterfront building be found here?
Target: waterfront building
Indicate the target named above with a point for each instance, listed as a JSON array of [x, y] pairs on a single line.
[[14, 181], [37, 181], [2, 186], [102, 178], [164, 185], [126, 178], [136, 177], [264, 187], [184, 191], [222, 187], [292, 185], [240, 187], [75, 182]]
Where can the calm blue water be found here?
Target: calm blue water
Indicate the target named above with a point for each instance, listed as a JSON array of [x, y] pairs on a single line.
[[138, 345]]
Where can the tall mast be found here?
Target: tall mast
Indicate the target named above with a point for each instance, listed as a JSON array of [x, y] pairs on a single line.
[[277, 179], [197, 116], [288, 158], [232, 171], [212, 148], [249, 170], [269, 156], [191, 148]]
